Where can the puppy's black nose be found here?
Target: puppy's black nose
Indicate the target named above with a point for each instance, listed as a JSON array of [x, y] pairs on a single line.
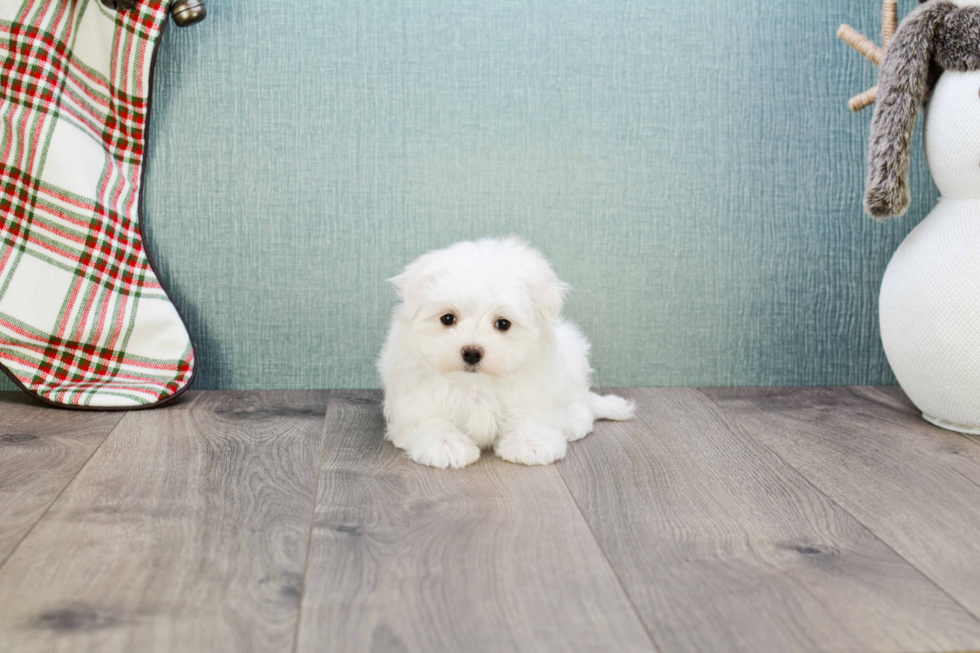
[[472, 354]]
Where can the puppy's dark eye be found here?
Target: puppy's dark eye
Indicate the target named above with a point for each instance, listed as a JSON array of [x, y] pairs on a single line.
[[503, 325], [448, 319]]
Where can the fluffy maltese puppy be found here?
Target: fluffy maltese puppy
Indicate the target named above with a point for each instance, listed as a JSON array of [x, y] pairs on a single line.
[[478, 356]]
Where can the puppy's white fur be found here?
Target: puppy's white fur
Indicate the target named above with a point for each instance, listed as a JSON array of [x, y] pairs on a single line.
[[529, 394]]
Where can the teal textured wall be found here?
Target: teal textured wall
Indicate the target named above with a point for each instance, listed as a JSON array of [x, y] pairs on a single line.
[[689, 167]]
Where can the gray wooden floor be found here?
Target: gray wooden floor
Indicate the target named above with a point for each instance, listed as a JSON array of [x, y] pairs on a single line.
[[818, 519]]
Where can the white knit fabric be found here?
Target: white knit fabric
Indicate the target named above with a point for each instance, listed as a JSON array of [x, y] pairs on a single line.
[[930, 295], [952, 135]]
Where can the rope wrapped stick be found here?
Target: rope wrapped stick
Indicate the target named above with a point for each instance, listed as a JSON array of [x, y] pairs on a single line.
[[856, 40], [849, 35], [890, 23], [863, 100]]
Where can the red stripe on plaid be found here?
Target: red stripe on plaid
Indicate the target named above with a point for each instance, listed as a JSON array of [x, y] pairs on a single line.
[[112, 246], [55, 54], [34, 68], [42, 348]]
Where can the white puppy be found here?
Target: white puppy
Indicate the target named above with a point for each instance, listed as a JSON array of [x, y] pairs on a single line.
[[478, 355]]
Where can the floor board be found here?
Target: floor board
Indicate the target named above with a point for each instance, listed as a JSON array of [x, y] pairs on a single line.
[[916, 486], [494, 557], [186, 531], [724, 547], [41, 451]]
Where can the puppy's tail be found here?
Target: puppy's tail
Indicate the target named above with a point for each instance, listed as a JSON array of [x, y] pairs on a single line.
[[610, 407]]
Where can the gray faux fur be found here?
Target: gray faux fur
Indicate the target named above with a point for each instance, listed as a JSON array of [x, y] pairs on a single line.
[[901, 87], [958, 40], [936, 36]]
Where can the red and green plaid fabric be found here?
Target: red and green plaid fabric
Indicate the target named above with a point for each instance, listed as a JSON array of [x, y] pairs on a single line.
[[84, 321]]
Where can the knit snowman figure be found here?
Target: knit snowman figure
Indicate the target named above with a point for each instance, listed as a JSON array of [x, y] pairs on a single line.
[[930, 294]]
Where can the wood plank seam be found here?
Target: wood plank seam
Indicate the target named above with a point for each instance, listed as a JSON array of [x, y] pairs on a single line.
[[769, 559], [974, 439], [309, 536], [184, 532], [450, 559], [911, 564], [733, 421], [65, 487], [612, 567], [971, 438]]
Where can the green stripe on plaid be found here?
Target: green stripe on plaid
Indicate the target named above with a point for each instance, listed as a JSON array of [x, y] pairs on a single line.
[[84, 320]]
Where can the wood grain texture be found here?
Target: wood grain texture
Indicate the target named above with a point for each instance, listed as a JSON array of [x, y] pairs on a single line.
[[493, 557], [724, 547], [41, 451], [916, 486], [187, 531]]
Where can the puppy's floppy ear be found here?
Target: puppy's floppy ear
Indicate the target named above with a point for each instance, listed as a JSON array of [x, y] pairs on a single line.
[[901, 88], [401, 283], [546, 290], [549, 295], [407, 285], [412, 282]]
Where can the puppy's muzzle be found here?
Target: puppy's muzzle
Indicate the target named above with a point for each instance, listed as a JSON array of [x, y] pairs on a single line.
[[472, 354]]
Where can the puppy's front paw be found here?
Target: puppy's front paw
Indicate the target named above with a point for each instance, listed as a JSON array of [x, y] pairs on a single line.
[[533, 446], [442, 450]]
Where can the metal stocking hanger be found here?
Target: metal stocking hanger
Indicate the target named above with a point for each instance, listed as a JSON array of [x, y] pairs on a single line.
[[185, 12]]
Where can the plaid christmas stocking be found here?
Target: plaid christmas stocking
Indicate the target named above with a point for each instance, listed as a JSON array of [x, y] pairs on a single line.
[[84, 321]]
